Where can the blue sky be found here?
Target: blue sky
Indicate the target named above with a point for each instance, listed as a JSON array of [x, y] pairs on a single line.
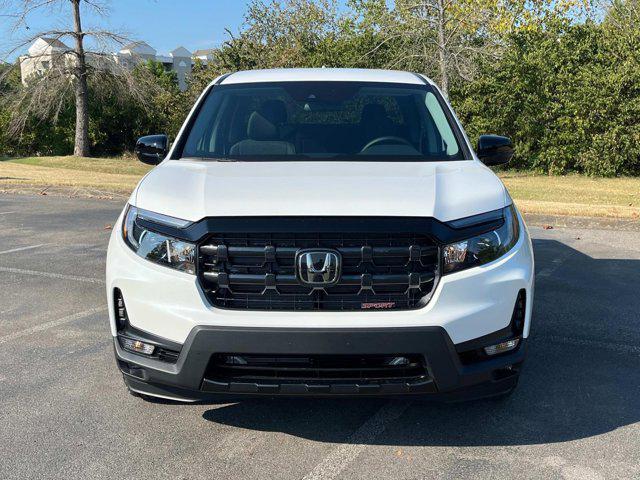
[[164, 24]]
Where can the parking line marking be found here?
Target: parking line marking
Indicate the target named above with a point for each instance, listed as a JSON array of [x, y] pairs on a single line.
[[51, 275], [6, 213], [555, 264], [340, 458], [20, 249], [53, 323]]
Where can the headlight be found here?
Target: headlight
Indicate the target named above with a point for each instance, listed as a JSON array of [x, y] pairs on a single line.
[[483, 248], [157, 247]]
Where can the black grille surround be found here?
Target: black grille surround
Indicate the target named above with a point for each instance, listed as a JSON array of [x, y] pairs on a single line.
[[379, 271]]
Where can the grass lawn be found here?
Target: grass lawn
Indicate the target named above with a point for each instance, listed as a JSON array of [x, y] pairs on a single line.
[[574, 195], [89, 176], [552, 195], [117, 165]]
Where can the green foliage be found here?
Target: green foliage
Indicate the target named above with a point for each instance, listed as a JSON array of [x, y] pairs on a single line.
[[564, 87], [116, 116], [39, 137], [569, 96]]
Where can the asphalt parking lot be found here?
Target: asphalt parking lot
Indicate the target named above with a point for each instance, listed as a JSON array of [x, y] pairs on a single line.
[[65, 413]]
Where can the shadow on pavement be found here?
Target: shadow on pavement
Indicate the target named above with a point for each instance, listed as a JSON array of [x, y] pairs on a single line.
[[581, 378]]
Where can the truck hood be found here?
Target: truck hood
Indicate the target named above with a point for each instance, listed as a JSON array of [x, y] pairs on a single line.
[[194, 189]]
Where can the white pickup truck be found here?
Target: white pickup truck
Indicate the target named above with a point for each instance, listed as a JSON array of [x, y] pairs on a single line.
[[320, 232]]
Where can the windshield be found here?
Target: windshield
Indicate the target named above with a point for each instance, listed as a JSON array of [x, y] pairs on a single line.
[[322, 120]]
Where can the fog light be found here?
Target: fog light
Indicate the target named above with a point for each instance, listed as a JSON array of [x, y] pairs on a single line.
[[136, 346], [502, 347]]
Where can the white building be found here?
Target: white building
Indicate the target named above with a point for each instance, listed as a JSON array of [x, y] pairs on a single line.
[[46, 53], [41, 56], [204, 55]]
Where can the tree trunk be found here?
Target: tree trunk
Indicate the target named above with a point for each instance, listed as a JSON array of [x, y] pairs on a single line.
[[81, 146], [442, 49]]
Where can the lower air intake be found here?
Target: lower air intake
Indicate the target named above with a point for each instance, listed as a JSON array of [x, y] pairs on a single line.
[[316, 368]]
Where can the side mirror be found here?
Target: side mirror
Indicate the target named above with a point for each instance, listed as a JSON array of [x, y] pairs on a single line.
[[494, 149], [152, 149]]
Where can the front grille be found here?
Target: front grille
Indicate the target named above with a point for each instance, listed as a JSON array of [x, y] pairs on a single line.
[[258, 271], [316, 369]]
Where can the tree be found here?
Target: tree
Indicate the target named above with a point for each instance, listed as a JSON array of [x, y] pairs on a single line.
[[70, 69], [291, 33], [448, 39], [276, 34], [567, 93], [81, 142]]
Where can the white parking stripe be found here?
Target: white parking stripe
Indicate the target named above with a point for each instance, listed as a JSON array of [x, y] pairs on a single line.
[[20, 249], [340, 458], [53, 323], [555, 264], [6, 213], [51, 275]]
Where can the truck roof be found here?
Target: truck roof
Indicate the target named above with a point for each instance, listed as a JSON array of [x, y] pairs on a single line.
[[324, 75]]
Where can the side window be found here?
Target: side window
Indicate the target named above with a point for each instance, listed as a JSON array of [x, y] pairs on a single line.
[[200, 138], [442, 124]]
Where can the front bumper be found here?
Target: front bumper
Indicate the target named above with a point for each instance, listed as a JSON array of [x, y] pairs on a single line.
[[447, 378], [470, 306]]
